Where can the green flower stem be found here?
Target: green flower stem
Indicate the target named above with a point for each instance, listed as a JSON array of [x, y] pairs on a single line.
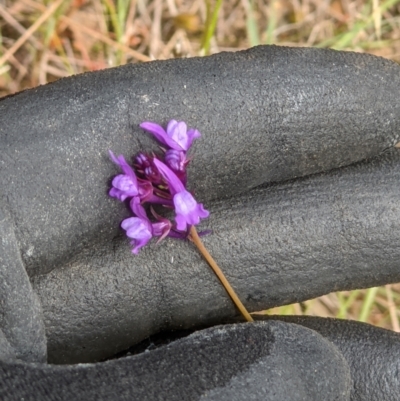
[[194, 237]]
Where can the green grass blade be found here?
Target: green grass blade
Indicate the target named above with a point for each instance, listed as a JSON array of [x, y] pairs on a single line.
[[251, 26], [272, 23], [211, 23], [368, 304], [344, 40], [346, 303]]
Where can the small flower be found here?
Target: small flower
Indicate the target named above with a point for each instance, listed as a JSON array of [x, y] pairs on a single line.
[[127, 185], [137, 229], [187, 210], [147, 168], [176, 137], [141, 229], [156, 182], [123, 185], [162, 228], [176, 160]]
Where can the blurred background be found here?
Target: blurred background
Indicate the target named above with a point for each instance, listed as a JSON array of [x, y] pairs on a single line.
[[42, 41]]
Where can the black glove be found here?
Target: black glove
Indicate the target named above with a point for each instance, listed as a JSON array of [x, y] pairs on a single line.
[[260, 361], [267, 114]]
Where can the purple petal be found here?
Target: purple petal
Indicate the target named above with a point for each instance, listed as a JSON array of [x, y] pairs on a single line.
[[174, 183], [178, 235], [143, 160], [160, 134], [138, 209], [177, 130], [188, 211], [181, 223], [201, 212], [113, 157], [138, 230], [125, 184], [145, 190], [148, 169], [184, 203], [204, 233], [161, 229], [192, 134], [176, 160], [126, 168], [155, 129], [116, 193]]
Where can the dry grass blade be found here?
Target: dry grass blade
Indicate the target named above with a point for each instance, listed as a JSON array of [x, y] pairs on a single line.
[[22, 39], [18, 27], [392, 309], [105, 39]]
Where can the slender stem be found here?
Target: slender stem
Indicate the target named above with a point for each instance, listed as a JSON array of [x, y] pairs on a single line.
[[211, 22], [194, 237]]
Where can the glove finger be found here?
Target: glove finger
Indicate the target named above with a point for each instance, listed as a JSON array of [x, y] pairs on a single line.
[[266, 114], [271, 361], [277, 244], [22, 331], [371, 352]]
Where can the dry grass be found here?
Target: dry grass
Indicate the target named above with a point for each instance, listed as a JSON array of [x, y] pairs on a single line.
[[42, 41]]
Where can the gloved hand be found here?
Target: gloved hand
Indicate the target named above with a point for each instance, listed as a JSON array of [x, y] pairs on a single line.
[[266, 115]]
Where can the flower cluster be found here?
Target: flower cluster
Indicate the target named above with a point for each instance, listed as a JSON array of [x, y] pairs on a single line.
[[158, 180]]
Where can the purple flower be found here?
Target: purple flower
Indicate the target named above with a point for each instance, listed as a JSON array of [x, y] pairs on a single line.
[[127, 185], [176, 137], [123, 185], [147, 168], [176, 160], [156, 182], [162, 228], [140, 228], [187, 210]]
